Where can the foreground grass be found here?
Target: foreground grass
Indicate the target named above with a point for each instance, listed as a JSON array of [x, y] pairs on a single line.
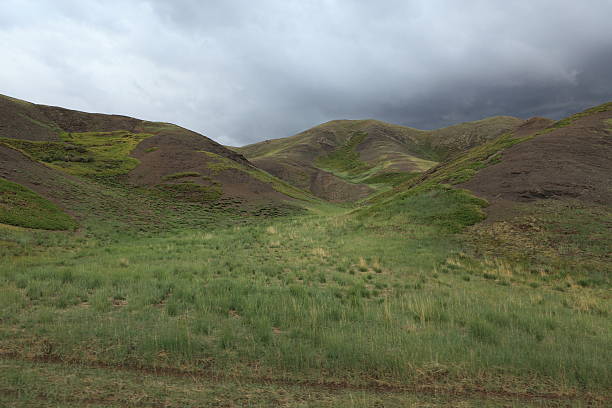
[[28, 384], [327, 298]]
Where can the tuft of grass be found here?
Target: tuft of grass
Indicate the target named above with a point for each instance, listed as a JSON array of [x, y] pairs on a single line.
[[22, 207], [180, 175]]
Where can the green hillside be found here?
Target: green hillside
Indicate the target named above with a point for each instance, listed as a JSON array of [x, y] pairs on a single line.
[[365, 156]]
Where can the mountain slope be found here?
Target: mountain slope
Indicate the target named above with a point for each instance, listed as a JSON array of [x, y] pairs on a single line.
[[55, 152], [348, 159], [548, 195]]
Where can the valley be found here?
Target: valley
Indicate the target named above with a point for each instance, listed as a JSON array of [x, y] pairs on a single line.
[[354, 264]]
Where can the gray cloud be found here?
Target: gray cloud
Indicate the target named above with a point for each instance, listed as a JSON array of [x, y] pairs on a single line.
[[242, 71]]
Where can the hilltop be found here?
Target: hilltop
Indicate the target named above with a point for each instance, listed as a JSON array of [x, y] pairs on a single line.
[[346, 160]]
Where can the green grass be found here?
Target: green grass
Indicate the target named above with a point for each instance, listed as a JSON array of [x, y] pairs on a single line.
[[50, 152], [345, 158], [28, 384], [345, 163], [91, 154], [109, 150], [569, 120], [445, 207], [389, 178], [321, 298], [158, 301], [22, 207]]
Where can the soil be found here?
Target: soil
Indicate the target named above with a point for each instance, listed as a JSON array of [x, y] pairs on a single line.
[[167, 153], [332, 188], [53, 185], [28, 121], [14, 122], [569, 162]]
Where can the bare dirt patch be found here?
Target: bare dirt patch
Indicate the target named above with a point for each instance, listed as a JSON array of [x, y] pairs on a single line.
[[166, 153], [18, 168], [568, 162]]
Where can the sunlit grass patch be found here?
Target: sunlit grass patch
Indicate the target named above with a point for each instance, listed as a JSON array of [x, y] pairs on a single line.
[[22, 207]]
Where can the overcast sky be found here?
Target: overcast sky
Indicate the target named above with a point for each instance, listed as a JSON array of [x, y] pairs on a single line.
[[241, 71]]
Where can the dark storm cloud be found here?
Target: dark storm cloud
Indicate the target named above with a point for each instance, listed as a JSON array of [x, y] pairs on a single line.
[[241, 71]]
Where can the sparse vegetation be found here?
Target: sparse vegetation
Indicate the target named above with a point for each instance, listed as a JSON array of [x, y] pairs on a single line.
[[569, 120], [220, 163], [109, 150], [190, 191], [182, 174], [456, 171]]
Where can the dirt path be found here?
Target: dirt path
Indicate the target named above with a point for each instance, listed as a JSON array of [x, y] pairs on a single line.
[[453, 391]]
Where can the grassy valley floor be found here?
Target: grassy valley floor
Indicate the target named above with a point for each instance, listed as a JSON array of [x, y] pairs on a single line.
[[331, 308]]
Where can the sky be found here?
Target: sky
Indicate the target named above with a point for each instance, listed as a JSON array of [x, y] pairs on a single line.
[[242, 71]]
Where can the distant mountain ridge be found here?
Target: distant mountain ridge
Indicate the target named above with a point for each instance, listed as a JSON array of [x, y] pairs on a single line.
[[344, 160]]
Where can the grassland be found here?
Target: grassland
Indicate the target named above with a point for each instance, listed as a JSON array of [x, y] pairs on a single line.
[[353, 304], [210, 300], [91, 154], [22, 207]]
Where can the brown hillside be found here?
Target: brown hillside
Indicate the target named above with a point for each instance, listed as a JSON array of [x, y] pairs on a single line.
[[564, 162], [52, 141]]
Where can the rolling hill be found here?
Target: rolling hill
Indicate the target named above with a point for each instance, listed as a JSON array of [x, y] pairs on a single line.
[[544, 191], [346, 160], [87, 163]]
